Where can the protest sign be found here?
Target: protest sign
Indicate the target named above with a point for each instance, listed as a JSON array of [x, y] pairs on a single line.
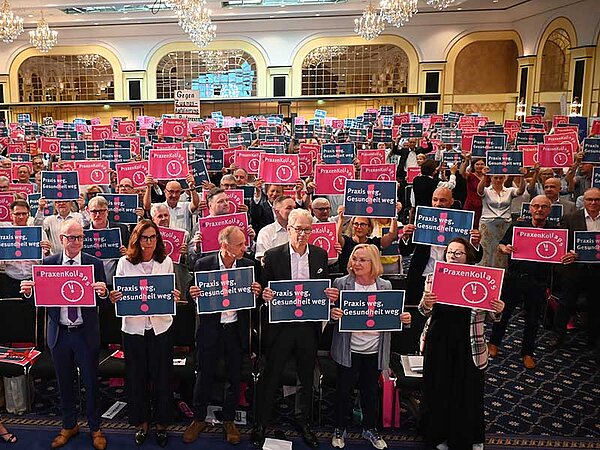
[[50, 145], [219, 138], [371, 156], [482, 144], [145, 295], [21, 188], [18, 356], [93, 172], [596, 177], [34, 201], [313, 149], [103, 244], [383, 135], [126, 127], [211, 226], [324, 235], [20, 243], [304, 131], [337, 153], [225, 290], [452, 136], [466, 285], [452, 158], [412, 173], [249, 160], [136, 171], [100, 132], [187, 101], [591, 150], [524, 138], [168, 164], [381, 172], [370, 198], [504, 162], [215, 159], [299, 301], [60, 185], [409, 130], [5, 201], [305, 164], [331, 179], [173, 239], [278, 169], [530, 154], [64, 285], [199, 172], [72, 150], [587, 246], [371, 310], [121, 208], [438, 226], [556, 213], [555, 155], [539, 244], [175, 127]]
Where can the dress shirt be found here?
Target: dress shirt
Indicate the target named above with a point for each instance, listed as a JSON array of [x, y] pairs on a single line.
[[365, 342], [64, 311], [590, 223], [437, 254], [300, 269], [270, 236], [181, 215], [497, 205], [52, 224], [227, 316]]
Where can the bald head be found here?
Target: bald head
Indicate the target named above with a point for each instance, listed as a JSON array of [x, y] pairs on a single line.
[[552, 188], [442, 198]]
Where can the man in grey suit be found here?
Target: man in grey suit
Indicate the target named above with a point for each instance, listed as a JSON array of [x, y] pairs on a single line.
[[552, 191]]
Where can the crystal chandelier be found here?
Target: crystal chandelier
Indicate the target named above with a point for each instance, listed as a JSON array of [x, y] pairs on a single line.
[[370, 24], [398, 12], [43, 38], [440, 4], [93, 61], [217, 61], [321, 55], [195, 19], [11, 26]]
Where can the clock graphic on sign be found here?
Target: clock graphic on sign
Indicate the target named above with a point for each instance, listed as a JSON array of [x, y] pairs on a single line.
[[546, 249], [383, 177], [474, 292], [561, 159], [303, 168], [174, 168], [178, 130], [253, 165], [284, 173], [338, 183], [322, 242], [72, 291], [96, 175], [139, 177], [168, 247]]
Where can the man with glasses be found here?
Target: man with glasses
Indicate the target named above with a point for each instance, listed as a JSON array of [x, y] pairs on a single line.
[[181, 211], [579, 278], [295, 260], [525, 281], [53, 223], [73, 336], [16, 271], [321, 209], [125, 186], [275, 233]]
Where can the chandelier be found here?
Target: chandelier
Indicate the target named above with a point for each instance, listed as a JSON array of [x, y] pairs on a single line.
[[440, 4], [370, 24], [398, 12], [43, 38], [217, 61], [195, 19], [321, 55], [11, 26], [93, 61]]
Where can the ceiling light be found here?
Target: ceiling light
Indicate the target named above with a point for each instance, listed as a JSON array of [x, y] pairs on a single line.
[[11, 26], [371, 24], [43, 38]]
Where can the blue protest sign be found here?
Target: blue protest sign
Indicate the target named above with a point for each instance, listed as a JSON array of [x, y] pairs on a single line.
[[349, 123], [556, 213], [145, 295], [438, 226], [596, 177], [117, 144], [386, 110], [369, 117], [103, 244], [72, 150], [591, 150], [244, 138], [529, 138], [408, 130], [504, 162], [452, 158], [121, 208], [20, 243], [454, 116], [34, 202], [394, 247], [483, 144], [213, 159], [382, 135], [366, 198], [338, 153], [452, 136], [60, 185], [248, 192], [225, 290], [67, 134], [191, 148], [304, 131], [299, 301], [19, 157], [358, 134], [115, 155], [320, 113], [371, 311], [582, 122], [587, 246], [387, 121], [530, 126], [538, 110], [199, 171]]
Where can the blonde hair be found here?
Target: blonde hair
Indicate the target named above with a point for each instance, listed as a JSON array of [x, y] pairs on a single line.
[[373, 254]]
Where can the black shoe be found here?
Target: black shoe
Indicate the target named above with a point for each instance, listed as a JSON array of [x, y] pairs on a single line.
[[309, 437], [161, 438], [140, 436], [257, 435]]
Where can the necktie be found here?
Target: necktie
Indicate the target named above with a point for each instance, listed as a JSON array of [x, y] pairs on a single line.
[[71, 311]]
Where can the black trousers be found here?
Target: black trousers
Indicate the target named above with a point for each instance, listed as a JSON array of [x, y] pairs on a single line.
[[9, 287], [365, 368], [229, 347], [149, 359], [517, 289], [300, 341]]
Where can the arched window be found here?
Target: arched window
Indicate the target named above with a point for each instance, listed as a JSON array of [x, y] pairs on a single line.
[[555, 62], [56, 78], [354, 70], [215, 73]]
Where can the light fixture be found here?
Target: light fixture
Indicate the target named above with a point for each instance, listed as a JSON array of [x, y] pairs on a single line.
[[217, 61], [575, 107], [195, 19], [440, 4], [11, 26], [321, 55], [371, 24], [521, 109], [43, 38], [93, 61], [398, 12]]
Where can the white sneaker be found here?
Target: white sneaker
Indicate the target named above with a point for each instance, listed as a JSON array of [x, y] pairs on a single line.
[[442, 446], [374, 438], [338, 438], [478, 446]]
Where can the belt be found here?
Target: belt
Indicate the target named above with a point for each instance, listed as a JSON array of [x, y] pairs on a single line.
[[70, 328]]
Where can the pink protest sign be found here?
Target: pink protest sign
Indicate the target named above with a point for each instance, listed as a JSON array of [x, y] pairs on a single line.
[[219, 138], [570, 137], [539, 244], [174, 127], [93, 172], [412, 173], [173, 240], [5, 201], [595, 131], [235, 198], [511, 128], [381, 172], [135, 145], [136, 171], [371, 156], [324, 235], [16, 147], [534, 119], [299, 120], [337, 124], [50, 145], [305, 164], [402, 118], [101, 132], [168, 164], [530, 154], [210, 227], [126, 128], [314, 150], [248, 160], [555, 155], [163, 145], [279, 168], [64, 285], [559, 119], [330, 179], [466, 285]]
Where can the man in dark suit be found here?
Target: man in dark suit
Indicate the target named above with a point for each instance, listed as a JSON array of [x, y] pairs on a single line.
[[296, 260], [221, 334], [579, 278], [424, 256], [261, 206], [73, 335]]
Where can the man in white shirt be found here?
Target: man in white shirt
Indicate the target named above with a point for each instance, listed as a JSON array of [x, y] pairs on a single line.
[[276, 233], [52, 224], [181, 212]]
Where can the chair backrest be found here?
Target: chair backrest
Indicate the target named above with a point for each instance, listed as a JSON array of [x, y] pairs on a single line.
[[19, 321], [110, 326], [184, 325]]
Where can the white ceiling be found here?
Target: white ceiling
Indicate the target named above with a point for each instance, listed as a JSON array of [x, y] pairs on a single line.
[[30, 11]]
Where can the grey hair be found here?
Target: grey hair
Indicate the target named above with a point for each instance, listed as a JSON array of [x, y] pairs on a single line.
[[298, 213], [226, 233], [156, 207], [99, 200]]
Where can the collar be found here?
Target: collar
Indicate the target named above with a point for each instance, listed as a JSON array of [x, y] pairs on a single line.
[[77, 259], [278, 227], [222, 265], [294, 252], [587, 215]]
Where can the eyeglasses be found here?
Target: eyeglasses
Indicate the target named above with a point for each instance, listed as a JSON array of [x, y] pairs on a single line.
[[20, 214], [361, 260], [73, 238], [125, 186], [148, 238], [170, 191], [360, 225], [591, 199], [539, 207], [455, 253], [98, 211], [301, 230], [324, 208]]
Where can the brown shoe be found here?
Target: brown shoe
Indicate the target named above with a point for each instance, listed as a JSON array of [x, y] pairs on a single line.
[[232, 433], [64, 435], [492, 350], [193, 430], [98, 440], [529, 362]]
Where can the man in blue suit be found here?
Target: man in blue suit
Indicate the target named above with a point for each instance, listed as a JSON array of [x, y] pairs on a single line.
[[74, 339]]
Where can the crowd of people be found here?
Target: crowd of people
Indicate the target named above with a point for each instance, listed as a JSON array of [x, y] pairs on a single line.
[[277, 245]]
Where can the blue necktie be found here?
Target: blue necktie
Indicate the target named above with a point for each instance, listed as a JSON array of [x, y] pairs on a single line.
[[72, 310]]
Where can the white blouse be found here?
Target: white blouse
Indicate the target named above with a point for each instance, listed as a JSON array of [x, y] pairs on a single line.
[[497, 206], [139, 324]]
